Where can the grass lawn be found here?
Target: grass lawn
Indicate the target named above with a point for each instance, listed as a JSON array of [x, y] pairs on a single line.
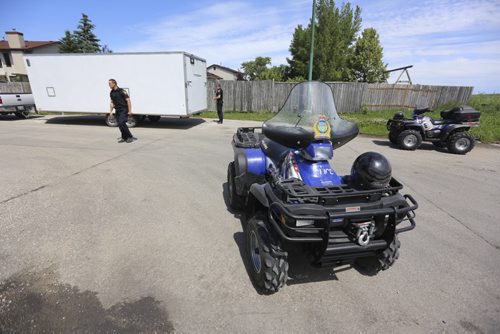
[[372, 122]]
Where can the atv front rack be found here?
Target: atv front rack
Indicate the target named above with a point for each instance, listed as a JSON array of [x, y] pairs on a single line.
[[294, 191]]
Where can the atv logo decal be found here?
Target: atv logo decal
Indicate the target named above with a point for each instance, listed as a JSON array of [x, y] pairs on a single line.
[[322, 128]]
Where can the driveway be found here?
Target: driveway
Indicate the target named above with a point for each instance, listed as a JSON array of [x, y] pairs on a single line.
[[96, 235]]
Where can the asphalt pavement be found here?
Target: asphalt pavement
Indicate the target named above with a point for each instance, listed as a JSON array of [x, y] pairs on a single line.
[[97, 235]]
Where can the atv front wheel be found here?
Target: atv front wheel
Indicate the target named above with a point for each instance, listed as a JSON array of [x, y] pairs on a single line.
[[393, 137], [268, 262], [383, 260], [461, 142], [409, 140], [235, 201]]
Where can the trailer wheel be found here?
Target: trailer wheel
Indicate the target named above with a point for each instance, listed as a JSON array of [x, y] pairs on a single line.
[[235, 201], [154, 118], [268, 262], [133, 121], [383, 261], [111, 121]]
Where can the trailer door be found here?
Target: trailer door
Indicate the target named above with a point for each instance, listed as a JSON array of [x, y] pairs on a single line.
[[196, 84]]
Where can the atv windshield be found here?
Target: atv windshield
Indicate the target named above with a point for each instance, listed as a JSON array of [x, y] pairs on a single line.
[[296, 124]]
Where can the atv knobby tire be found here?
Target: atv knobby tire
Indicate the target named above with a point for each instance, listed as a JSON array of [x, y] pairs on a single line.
[[393, 137], [235, 201], [384, 260], [461, 142], [268, 262], [409, 140]]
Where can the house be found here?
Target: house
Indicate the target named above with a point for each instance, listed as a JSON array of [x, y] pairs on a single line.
[[225, 73], [12, 66]]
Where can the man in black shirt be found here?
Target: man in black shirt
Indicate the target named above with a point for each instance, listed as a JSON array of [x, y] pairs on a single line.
[[219, 98], [120, 101]]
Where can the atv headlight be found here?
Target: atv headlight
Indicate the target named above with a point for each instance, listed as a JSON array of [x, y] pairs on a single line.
[[304, 222]]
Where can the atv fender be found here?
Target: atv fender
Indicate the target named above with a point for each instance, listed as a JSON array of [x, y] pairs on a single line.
[[453, 128], [259, 193]]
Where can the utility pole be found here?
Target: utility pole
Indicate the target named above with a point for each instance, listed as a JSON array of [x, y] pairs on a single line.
[[311, 53]]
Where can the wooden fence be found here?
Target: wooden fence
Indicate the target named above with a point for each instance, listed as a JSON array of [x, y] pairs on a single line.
[[248, 96]]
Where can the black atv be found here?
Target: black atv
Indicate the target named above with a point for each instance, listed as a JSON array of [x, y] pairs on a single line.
[[452, 131], [282, 180]]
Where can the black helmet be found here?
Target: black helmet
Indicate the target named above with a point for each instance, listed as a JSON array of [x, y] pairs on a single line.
[[370, 170], [399, 115]]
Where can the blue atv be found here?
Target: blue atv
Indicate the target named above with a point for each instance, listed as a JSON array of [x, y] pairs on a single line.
[[452, 131], [282, 182]]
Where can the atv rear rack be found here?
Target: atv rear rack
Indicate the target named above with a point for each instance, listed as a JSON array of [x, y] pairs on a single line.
[[247, 137]]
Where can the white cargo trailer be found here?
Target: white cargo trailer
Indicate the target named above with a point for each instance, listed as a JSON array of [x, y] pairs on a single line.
[[159, 83]]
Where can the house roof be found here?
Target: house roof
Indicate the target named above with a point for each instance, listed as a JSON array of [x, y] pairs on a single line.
[[30, 45], [224, 68], [211, 76]]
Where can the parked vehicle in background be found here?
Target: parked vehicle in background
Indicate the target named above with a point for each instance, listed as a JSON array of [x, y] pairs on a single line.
[[452, 131], [21, 105], [159, 84]]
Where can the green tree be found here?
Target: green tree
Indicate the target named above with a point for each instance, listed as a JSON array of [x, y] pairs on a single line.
[[254, 68], [67, 44], [261, 69], [276, 73], [87, 41], [299, 48], [366, 62], [336, 30]]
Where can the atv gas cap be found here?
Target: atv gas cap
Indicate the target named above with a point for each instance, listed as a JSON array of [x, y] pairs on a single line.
[[371, 170]]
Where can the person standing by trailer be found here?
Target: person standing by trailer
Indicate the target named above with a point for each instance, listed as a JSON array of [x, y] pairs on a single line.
[[120, 101], [219, 98]]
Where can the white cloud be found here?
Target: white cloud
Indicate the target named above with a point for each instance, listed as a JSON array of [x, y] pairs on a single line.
[[227, 33], [448, 41]]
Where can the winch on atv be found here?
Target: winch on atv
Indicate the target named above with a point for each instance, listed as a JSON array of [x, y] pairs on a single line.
[[282, 180]]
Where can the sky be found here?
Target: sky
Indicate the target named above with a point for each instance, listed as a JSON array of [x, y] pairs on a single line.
[[448, 42]]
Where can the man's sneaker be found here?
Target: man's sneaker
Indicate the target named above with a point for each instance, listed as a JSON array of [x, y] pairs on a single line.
[[122, 140], [134, 138], [130, 140]]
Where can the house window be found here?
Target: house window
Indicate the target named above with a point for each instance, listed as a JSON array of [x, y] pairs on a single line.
[[6, 56]]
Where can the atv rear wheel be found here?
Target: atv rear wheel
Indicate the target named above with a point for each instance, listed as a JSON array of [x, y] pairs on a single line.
[[409, 140], [268, 262], [461, 142], [235, 201], [383, 260]]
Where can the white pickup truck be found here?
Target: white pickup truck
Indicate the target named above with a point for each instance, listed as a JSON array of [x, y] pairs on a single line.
[[20, 105]]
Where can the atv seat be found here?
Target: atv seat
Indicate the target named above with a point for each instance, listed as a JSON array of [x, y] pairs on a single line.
[[438, 121], [273, 150], [421, 110], [298, 137]]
